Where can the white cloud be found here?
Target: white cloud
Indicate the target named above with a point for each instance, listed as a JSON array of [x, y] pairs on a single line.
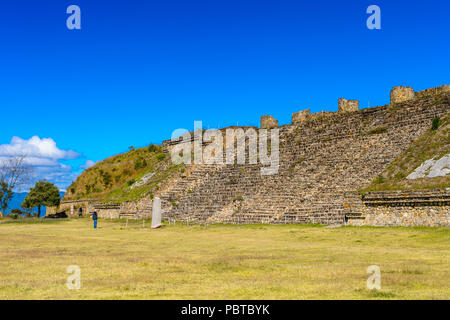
[[44, 157], [88, 164], [37, 148]]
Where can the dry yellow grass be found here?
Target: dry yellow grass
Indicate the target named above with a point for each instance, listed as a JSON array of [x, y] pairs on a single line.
[[221, 262]]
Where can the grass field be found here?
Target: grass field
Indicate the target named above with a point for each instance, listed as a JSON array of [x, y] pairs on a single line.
[[221, 261]]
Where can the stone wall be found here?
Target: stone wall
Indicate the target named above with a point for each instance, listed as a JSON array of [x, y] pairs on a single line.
[[135, 209], [433, 91], [71, 207], [404, 208], [268, 122], [401, 94], [345, 105], [322, 160], [301, 116]]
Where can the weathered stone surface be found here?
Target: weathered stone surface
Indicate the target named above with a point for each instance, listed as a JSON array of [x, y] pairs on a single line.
[[345, 105], [406, 208], [156, 213], [432, 168], [401, 94], [142, 181], [433, 91], [301, 116], [268, 122]]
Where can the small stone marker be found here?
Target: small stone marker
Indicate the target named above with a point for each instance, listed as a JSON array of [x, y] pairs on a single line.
[[156, 213]]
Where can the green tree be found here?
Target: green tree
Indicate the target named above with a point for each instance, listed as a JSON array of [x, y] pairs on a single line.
[[43, 193], [6, 193], [27, 207]]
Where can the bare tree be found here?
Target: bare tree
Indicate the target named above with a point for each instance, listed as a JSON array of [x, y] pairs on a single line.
[[14, 173]]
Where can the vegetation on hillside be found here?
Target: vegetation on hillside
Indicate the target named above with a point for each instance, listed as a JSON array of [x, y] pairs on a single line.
[[115, 178], [435, 143]]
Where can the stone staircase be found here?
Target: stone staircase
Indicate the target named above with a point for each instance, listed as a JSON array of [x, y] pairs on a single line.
[[322, 163]]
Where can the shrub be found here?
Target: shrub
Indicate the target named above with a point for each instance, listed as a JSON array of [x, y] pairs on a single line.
[[436, 123], [160, 156], [377, 130], [137, 165], [399, 176], [117, 178], [15, 213], [152, 148], [380, 179], [107, 179], [130, 182]]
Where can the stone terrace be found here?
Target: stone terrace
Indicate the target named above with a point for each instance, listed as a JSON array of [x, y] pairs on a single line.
[[323, 161]]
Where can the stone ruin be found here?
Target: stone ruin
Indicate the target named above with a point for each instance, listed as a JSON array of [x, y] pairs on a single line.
[[345, 105], [301, 116], [401, 94], [268, 122], [323, 162]]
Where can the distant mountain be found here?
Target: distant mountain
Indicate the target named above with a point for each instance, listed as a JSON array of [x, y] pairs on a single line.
[[17, 200]]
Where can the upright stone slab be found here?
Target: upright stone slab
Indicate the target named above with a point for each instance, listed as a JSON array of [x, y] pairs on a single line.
[[268, 122], [345, 105], [301, 116], [156, 213], [402, 94]]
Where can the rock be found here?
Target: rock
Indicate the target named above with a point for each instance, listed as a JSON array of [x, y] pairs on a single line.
[[432, 168]]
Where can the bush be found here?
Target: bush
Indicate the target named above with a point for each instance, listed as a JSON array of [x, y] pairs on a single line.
[[380, 179], [377, 130], [152, 148], [436, 123], [160, 156], [140, 164], [137, 165], [15, 213], [130, 182]]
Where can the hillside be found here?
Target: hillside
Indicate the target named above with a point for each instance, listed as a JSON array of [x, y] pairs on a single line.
[[124, 177]]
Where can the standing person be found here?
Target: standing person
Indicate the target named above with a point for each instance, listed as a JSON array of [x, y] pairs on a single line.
[[80, 212], [94, 217]]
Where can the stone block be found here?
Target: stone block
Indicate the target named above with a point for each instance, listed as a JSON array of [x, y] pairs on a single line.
[[268, 122], [300, 116], [402, 94], [345, 105]]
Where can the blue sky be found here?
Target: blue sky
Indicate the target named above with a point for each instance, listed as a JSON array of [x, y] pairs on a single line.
[[137, 70]]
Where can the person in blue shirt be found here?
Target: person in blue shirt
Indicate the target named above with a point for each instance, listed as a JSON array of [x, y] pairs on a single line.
[[95, 217]]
